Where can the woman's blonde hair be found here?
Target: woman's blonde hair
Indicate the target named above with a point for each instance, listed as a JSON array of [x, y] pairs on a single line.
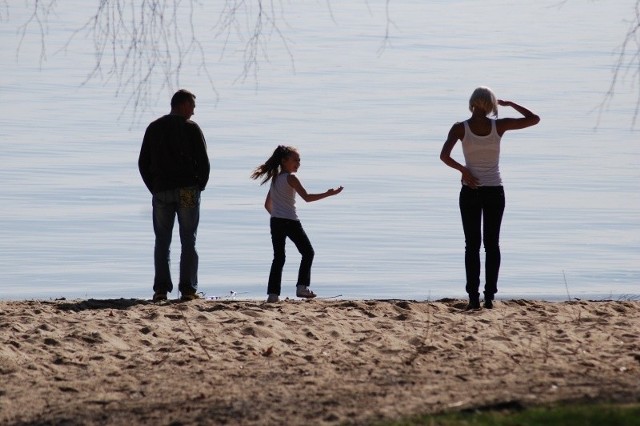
[[484, 99]]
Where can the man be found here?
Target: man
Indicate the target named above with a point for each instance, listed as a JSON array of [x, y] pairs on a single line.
[[174, 165]]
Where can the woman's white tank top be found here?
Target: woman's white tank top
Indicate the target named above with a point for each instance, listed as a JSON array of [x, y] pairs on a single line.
[[283, 198], [482, 155]]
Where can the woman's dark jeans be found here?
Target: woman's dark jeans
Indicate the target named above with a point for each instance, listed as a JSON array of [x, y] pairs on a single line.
[[280, 230], [482, 211]]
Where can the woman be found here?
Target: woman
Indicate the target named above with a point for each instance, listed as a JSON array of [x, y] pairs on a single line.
[[482, 195]]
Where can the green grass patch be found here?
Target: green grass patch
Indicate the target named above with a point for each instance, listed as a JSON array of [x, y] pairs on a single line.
[[560, 415]]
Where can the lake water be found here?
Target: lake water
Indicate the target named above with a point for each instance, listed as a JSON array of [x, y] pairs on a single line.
[[76, 216]]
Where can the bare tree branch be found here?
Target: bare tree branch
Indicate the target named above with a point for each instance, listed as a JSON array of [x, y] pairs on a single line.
[[262, 23], [628, 63], [40, 19], [386, 41], [4, 10], [142, 46]]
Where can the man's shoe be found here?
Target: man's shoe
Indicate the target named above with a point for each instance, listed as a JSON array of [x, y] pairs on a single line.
[[473, 304], [159, 296], [186, 297], [273, 298], [488, 303]]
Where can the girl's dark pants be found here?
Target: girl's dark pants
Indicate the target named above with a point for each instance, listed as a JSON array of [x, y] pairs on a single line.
[[280, 230], [482, 209]]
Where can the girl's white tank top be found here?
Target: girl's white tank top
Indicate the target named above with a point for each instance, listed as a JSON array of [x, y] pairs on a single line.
[[283, 198], [482, 155]]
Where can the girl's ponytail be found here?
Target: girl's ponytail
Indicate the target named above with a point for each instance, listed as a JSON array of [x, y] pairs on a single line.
[[271, 167]]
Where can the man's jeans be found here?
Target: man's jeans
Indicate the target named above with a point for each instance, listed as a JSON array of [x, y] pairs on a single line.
[[185, 203], [484, 207], [280, 230]]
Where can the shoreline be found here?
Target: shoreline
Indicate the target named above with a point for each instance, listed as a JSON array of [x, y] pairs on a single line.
[[114, 361], [257, 298]]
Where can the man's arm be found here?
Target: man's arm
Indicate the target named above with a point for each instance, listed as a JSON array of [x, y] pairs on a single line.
[[144, 160], [203, 166]]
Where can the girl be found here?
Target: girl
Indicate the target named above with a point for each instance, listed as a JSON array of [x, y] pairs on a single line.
[[280, 169], [482, 195]]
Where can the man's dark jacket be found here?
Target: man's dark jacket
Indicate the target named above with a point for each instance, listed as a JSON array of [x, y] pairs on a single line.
[[173, 155]]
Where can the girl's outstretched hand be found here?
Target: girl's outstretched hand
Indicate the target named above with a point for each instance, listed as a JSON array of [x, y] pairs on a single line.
[[335, 191], [504, 103]]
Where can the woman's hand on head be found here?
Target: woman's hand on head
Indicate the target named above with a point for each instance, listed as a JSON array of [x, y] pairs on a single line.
[[528, 118]]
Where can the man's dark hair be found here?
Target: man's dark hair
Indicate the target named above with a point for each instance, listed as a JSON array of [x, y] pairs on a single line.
[[181, 96]]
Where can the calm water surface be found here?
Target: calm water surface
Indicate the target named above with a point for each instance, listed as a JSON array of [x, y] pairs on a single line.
[[76, 216]]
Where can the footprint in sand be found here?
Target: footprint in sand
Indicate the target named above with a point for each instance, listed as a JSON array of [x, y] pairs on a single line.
[[309, 334], [257, 331]]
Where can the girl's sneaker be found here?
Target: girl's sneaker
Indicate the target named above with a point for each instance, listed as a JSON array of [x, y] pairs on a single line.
[[187, 297], [303, 291]]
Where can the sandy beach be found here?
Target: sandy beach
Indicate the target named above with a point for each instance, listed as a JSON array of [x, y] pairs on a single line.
[[306, 362]]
